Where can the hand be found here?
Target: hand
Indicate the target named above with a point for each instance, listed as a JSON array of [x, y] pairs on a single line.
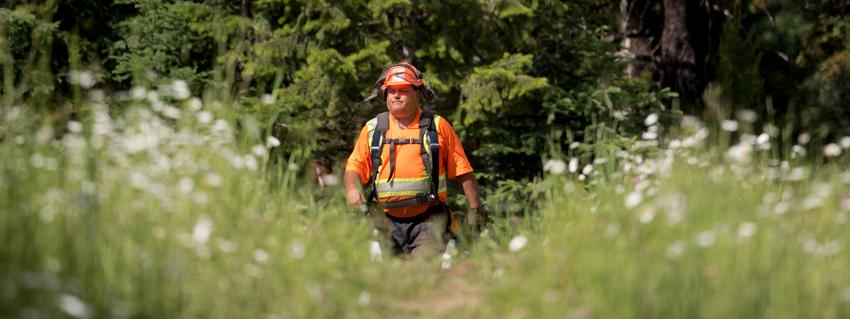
[[477, 218], [354, 198]]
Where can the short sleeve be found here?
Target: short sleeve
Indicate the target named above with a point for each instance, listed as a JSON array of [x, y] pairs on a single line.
[[359, 160], [456, 162]]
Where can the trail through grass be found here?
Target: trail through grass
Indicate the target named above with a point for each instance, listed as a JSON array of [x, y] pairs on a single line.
[[168, 209]]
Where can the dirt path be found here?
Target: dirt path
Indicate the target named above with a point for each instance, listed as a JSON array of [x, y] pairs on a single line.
[[452, 293]]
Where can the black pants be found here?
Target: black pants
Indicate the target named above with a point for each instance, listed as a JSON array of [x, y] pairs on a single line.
[[422, 234]]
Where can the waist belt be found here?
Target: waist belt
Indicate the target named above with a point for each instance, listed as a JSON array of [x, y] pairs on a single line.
[[413, 201]]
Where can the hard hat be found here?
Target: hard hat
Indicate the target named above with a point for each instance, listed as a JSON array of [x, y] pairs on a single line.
[[401, 74]]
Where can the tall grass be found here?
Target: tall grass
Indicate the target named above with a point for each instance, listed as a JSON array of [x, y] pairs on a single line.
[[161, 205]]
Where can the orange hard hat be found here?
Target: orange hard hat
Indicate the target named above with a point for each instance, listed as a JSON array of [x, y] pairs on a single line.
[[401, 74]]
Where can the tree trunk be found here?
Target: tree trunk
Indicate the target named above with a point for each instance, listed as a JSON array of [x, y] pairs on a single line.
[[641, 30], [674, 40], [678, 57], [241, 38], [246, 8]]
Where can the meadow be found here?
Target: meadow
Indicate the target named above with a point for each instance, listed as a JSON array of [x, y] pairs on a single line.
[[153, 203]]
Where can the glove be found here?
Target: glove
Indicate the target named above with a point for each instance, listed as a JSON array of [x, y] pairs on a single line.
[[477, 218]]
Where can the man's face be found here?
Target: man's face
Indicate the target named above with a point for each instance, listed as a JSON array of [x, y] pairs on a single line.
[[402, 101]]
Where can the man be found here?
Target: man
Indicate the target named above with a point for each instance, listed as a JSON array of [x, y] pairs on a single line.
[[401, 179]]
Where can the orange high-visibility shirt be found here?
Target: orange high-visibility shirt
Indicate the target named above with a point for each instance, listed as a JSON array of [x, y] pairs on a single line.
[[409, 166]]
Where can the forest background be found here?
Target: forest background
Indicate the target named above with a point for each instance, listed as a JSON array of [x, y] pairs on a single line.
[[518, 79]]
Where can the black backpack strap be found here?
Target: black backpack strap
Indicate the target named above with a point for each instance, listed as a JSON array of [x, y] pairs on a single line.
[[375, 150], [428, 128]]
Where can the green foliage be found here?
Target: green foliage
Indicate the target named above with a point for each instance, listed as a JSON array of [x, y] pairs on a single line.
[[175, 40], [25, 42], [491, 89], [788, 61], [738, 69]]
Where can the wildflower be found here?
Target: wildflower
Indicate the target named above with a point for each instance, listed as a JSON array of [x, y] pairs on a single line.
[[73, 306], [202, 231], [185, 185], [85, 79], [781, 208], [646, 215], [213, 180], [740, 153], [813, 247], [267, 99], [812, 202], [647, 167], [180, 89], [746, 230], [138, 93], [649, 135], [797, 150], [845, 142], [375, 250], [258, 150], [763, 138], [770, 130], [329, 180], [220, 127], [517, 243], [252, 270], [674, 144], [729, 125], [200, 198], [832, 150], [195, 104], [447, 255], [261, 256], [555, 166], [102, 124], [675, 205], [691, 122], [364, 299], [706, 238], [296, 250], [587, 169], [676, 249], [646, 144], [574, 145], [746, 115], [650, 119], [205, 117], [226, 246], [272, 142], [804, 138], [573, 167], [171, 112], [250, 163], [762, 142], [75, 127], [620, 115], [633, 199]]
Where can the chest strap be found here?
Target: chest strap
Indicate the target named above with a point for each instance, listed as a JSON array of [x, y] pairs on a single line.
[[429, 153]]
